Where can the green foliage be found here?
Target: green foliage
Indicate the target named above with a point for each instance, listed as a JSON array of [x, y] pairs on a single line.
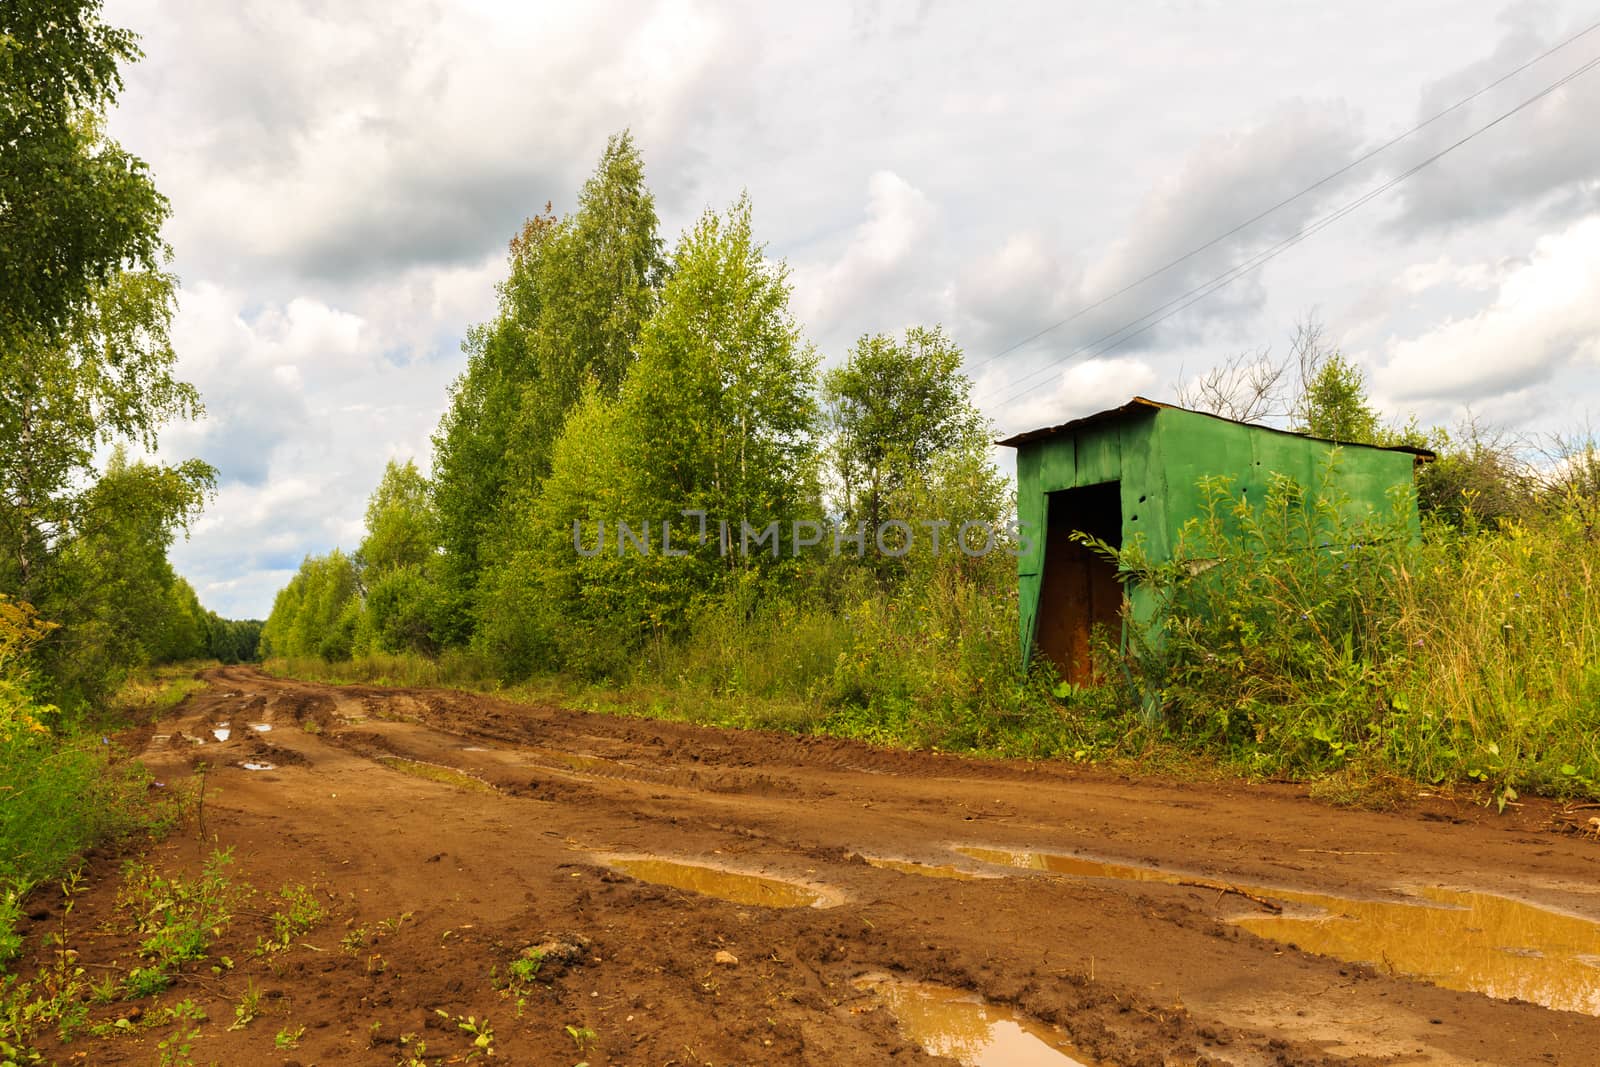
[[1333, 403], [177, 917], [895, 407], [78, 206], [317, 612], [85, 361], [1268, 641], [401, 526], [112, 587], [1295, 637], [299, 912], [716, 417], [570, 312], [176, 1046]]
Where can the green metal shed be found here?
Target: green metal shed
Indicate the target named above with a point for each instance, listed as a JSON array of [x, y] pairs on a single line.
[[1134, 470]]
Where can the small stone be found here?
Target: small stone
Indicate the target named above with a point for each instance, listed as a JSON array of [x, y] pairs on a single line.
[[725, 958]]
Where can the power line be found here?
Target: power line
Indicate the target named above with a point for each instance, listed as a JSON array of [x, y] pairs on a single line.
[[1130, 330], [1424, 124]]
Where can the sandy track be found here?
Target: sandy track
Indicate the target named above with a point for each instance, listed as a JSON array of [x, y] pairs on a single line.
[[1134, 972]]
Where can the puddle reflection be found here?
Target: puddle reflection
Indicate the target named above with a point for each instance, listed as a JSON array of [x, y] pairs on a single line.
[[968, 1029], [724, 885], [927, 870], [1475, 942]]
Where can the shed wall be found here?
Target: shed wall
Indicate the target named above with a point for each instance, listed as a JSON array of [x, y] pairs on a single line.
[[1159, 458]]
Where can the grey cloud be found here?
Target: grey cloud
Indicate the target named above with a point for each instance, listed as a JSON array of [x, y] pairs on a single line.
[[1221, 184], [1546, 155]]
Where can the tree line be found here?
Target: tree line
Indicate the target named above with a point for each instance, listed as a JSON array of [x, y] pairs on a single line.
[[619, 382], [87, 371]]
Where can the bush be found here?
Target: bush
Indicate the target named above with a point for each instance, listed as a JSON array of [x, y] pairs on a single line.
[[1298, 639]]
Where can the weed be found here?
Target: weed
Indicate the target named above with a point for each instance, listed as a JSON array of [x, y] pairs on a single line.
[[582, 1036], [175, 1046], [145, 982], [413, 1051], [482, 1036], [301, 911], [288, 1038], [178, 917], [249, 1006]]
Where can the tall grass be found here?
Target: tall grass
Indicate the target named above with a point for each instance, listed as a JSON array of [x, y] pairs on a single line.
[[60, 793], [1501, 631], [1292, 639]]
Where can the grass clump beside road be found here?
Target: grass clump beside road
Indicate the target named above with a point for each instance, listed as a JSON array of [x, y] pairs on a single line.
[[148, 693], [61, 790]]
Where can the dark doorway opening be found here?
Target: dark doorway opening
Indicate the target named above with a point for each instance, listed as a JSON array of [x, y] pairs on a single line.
[[1080, 588]]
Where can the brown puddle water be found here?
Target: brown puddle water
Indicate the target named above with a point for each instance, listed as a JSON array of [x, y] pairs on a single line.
[[927, 870], [435, 772], [1476, 942], [574, 761], [724, 885], [968, 1029]]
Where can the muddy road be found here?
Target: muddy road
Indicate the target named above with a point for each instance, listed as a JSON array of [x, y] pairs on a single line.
[[1120, 921]]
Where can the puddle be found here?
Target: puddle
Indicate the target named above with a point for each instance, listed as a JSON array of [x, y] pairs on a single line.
[[574, 761], [724, 885], [927, 870], [253, 765], [966, 1028], [434, 772], [1475, 942], [1076, 866], [261, 727], [221, 731]]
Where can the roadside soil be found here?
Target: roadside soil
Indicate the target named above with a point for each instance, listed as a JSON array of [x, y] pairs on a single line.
[[433, 887]]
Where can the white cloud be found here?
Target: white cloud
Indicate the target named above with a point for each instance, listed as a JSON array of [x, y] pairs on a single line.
[[1081, 389], [882, 250], [1544, 316]]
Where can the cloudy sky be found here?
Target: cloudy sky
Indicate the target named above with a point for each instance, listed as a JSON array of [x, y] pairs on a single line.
[[345, 176]]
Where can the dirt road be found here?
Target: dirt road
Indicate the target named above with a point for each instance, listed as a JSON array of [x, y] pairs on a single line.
[[1157, 964]]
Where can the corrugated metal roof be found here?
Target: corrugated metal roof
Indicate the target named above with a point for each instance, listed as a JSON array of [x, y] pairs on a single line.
[[1140, 405]]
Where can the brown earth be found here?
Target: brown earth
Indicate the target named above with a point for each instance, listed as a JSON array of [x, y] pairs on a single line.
[[1134, 972]]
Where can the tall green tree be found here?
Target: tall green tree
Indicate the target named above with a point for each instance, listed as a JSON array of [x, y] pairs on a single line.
[[318, 612], [401, 527], [85, 308], [398, 562], [717, 416], [578, 290], [896, 407], [112, 587], [720, 410]]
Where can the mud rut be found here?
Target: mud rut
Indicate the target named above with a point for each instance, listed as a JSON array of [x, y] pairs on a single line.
[[1132, 972]]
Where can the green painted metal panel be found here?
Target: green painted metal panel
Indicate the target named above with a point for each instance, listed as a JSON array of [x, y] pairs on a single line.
[[1099, 456], [1028, 596], [1058, 464]]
